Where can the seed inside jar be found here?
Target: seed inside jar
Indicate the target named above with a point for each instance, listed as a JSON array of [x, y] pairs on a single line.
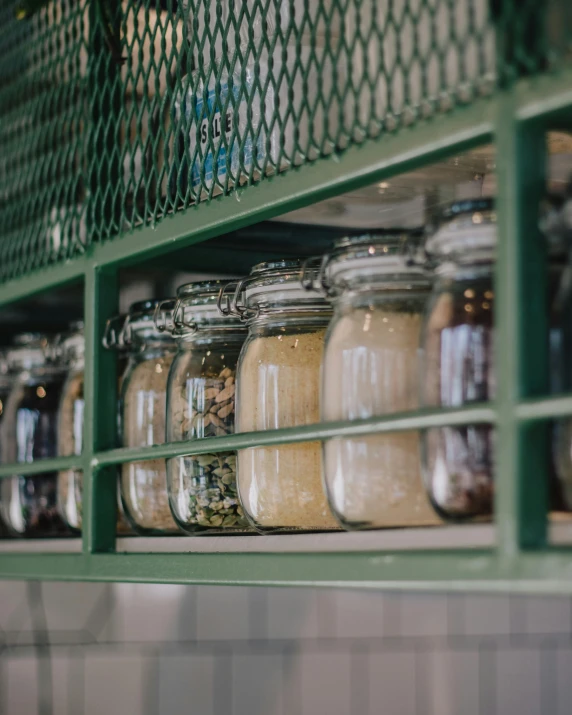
[[208, 498]]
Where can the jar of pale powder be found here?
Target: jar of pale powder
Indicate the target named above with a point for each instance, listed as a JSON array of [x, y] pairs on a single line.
[[278, 385], [371, 368], [142, 419], [70, 432]]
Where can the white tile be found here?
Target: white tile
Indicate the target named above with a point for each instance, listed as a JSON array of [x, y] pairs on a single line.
[[392, 683], [361, 614], [487, 615], [60, 665], [187, 684], [21, 678], [151, 613], [116, 683], [14, 611], [292, 613], [423, 614], [70, 605], [222, 613], [453, 682], [324, 683], [257, 684], [546, 614], [563, 682], [518, 682]]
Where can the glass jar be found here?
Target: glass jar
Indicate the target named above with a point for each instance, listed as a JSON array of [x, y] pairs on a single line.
[[557, 229], [5, 384], [70, 432], [278, 385], [371, 368], [70, 426], [142, 419], [458, 367], [28, 504], [201, 400]]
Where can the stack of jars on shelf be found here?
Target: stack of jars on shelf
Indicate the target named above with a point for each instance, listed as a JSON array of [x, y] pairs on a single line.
[[382, 324]]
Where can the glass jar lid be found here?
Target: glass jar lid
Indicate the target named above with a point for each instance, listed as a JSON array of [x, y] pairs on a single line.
[[385, 259], [273, 286], [72, 348], [4, 371], [196, 309], [467, 233], [28, 351], [138, 329]]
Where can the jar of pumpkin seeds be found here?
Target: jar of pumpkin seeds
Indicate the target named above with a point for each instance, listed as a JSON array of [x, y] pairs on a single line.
[[200, 404]]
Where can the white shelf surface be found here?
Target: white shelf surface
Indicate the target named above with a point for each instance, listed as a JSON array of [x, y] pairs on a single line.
[[476, 536]]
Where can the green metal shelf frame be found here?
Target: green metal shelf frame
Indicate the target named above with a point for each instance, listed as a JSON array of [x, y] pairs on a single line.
[[516, 120]]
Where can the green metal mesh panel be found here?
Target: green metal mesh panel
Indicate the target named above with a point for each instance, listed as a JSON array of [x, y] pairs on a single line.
[[102, 130], [42, 136]]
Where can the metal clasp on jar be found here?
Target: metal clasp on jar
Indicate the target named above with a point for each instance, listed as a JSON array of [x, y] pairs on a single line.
[[163, 316], [230, 304], [112, 335], [313, 275], [180, 325]]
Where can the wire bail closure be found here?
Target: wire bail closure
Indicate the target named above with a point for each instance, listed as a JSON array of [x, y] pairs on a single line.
[[230, 305], [161, 315], [113, 338], [313, 274]]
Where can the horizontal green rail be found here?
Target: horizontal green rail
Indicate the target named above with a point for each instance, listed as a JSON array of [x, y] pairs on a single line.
[[422, 419], [54, 464], [476, 570]]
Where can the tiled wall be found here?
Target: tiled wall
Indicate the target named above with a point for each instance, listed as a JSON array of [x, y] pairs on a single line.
[[70, 649]]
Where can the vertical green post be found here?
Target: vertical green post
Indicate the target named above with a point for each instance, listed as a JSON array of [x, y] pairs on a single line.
[[100, 393], [522, 350]]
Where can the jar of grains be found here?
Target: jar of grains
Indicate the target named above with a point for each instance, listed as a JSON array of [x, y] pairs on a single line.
[[201, 399], [371, 368], [70, 431], [28, 505], [278, 385], [458, 366], [142, 418], [5, 383], [70, 426]]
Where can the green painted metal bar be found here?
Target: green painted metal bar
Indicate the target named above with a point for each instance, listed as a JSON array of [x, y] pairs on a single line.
[[100, 392], [521, 335], [422, 419], [507, 296], [42, 280], [41, 466], [544, 408], [474, 570], [543, 95]]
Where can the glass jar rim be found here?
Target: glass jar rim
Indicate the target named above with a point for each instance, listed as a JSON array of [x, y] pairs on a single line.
[[466, 232], [382, 259], [276, 285], [200, 300], [72, 346], [138, 326], [202, 291], [28, 351]]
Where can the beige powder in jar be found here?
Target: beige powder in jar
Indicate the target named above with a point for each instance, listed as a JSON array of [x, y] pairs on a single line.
[[70, 440], [70, 437], [279, 385], [144, 484], [371, 367]]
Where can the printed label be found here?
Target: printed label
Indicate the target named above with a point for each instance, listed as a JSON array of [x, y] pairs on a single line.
[[207, 132]]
